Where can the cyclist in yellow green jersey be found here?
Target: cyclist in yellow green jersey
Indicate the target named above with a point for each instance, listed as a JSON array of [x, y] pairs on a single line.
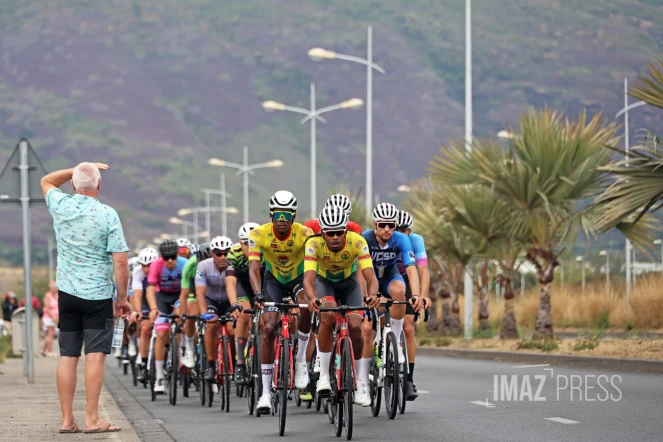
[[281, 244]]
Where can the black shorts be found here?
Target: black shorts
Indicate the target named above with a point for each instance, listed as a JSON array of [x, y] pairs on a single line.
[[346, 292], [409, 310], [166, 301], [244, 291], [218, 308], [275, 291], [84, 321]]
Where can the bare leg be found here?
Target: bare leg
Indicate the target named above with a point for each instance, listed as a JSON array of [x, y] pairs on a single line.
[[66, 381], [94, 378]]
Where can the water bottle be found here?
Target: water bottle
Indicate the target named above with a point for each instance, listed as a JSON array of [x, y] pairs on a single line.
[[118, 333]]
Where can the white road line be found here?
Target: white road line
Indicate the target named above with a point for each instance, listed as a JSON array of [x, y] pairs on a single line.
[[483, 403], [531, 366], [561, 420]]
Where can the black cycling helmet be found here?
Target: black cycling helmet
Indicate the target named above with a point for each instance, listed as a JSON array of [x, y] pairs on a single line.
[[203, 252], [168, 248]]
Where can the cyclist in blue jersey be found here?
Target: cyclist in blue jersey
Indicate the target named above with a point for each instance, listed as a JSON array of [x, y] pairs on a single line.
[[405, 222], [386, 245]]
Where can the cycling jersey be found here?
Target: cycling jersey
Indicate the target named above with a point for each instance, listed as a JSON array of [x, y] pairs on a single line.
[[138, 280], [214, 280], [337, 266], [283, 259], [419, 249], [166, 281], [385, 257], [189, 273], [238, 264], [314, 225]]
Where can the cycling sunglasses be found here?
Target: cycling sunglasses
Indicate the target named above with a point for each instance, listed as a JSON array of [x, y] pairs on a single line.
[[333, 233], [220, 253], [246, 243], [169, 257], [384, 225], [282, 216]]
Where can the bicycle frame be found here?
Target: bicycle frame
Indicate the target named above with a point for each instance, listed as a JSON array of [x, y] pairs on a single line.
[[219, 356], [278, 342]]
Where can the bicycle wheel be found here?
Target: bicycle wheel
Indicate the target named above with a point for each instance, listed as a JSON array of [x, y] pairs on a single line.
[[250, 384], [226, 373], [174, 368], [376, 388], [186, 382], [403, 368], [391, 377], [201, 375], [134, 370], [257, 372], [331, 404], [153, 375], [284, 383], [348, 388]]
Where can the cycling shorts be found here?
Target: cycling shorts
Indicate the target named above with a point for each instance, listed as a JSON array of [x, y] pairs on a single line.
[[274, 291], [346, 292], [217, 308], [389, 276], [244, 292]]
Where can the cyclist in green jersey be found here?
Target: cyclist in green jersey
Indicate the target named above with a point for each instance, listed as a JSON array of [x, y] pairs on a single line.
[[239, 284], [188, 299]]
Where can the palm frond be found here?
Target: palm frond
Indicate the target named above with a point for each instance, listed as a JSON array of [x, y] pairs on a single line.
[[650, 90]]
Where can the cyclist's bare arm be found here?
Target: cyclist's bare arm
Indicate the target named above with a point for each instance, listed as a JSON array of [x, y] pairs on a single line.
[[254, 275]]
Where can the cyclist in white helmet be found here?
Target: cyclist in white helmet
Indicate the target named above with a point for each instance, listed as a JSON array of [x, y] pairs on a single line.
[[184, 248], [139, 303], [281, 244], [340, 200], [238, 283]]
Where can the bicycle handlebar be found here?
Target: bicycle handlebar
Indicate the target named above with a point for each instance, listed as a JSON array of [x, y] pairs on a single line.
[[284, 306], [343, 308]]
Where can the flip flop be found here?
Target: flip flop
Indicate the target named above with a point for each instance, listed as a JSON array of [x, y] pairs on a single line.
[[74, 429], [105, 429]]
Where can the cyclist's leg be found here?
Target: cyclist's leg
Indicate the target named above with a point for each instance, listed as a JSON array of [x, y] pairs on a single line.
[[396, 290], [192, 309], [244, 297], [273, 291], [409, 328], [304, 329], [327, 295], [212, 335], [165, 304]]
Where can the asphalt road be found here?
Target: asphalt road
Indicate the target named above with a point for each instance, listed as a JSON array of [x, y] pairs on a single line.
[[458, 402]]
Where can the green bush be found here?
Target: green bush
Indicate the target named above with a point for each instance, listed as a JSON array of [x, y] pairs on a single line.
[[443, 342], [543, 345], [588, 343]]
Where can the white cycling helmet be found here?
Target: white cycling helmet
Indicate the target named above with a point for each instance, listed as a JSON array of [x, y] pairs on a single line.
[[385, 212], [283, 200], [333, 217], [183, 242], [221, 243], [340, 200], [404, 220], [148, 256], [246, 229]]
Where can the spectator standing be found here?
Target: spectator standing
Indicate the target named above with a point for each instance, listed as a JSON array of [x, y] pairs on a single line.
[[50, 319], [36, 305], [8, 306], [90, 242]]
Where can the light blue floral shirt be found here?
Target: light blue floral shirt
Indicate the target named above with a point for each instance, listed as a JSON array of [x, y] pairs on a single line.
[[87, 233]]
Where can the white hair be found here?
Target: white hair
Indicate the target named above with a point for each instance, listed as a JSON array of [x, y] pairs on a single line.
[[86, 176]]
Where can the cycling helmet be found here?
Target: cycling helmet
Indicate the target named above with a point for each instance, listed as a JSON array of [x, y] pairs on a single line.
[[183, 242], [385, 212], [168, 247], [340, 200], [404, 220], [333, 217], [147, 256], [221, 243], [283, 200], [246, 229], [203, 252]]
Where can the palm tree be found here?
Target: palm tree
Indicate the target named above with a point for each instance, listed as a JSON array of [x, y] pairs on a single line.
[[638, 188], [550, 165]]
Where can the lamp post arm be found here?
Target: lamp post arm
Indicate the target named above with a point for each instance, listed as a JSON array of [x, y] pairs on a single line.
[[360, 60]]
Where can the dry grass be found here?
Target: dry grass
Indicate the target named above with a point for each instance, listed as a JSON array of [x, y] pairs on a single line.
[[596, 309]]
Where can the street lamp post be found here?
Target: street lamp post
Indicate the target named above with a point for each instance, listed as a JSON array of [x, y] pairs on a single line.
[[246, 169], [313, 114], [628, 247], [195, 211], [468, 145], [224, 195], [318, 54], [607, 269], [660, 242], [581, 260]]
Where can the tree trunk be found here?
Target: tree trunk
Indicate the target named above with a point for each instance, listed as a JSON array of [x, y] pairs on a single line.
[[509, 329], [544, 326], [445, 296], [456, 327], [484, 298], [433, 323]]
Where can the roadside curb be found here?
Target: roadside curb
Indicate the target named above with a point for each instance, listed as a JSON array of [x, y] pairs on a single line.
[[615, 364], [146, 427]]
